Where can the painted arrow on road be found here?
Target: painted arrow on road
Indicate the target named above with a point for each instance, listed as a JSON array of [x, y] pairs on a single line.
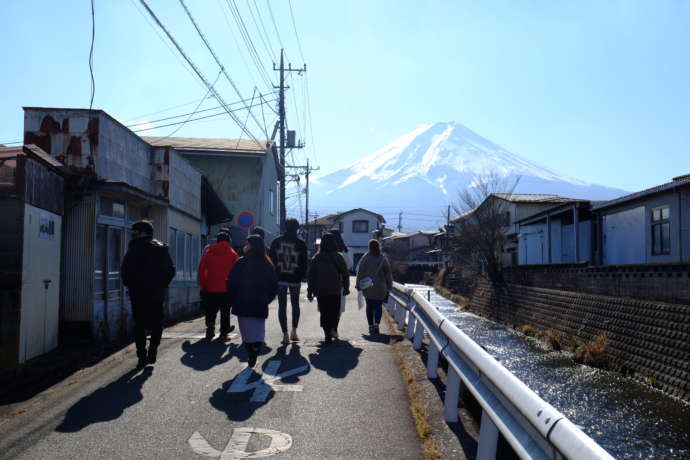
[[267, 382], [237, 446]]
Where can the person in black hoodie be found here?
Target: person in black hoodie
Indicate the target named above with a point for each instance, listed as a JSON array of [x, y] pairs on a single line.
[[147, 270], [289, 255], [252, 284]]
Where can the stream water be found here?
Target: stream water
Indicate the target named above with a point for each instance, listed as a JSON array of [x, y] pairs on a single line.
[[626, 418]]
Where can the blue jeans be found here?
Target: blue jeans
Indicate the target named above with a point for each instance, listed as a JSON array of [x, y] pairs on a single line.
[[374, 311]]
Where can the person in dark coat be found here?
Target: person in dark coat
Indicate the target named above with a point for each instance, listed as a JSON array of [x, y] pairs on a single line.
[[147, 270], [328, 280], [214, 268], [289, 255], [252, 284]]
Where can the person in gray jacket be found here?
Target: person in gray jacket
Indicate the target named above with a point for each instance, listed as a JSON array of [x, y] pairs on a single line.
[[375, 280]]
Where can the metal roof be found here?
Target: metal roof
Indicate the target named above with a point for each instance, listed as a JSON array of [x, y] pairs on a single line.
[[677, 182], [210, 144], [533, 198], [35, 151], [330, 219]]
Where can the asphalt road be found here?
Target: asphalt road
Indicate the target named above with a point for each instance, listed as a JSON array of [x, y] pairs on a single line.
[[344, 400]]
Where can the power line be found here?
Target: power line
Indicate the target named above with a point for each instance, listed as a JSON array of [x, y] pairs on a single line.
[[93, 39], [199, 118], [275, 27], [294, 27], [220, 64], [198, 72], [188, 113], [265, 39], [249, 43], [195, 110], [237, 43]]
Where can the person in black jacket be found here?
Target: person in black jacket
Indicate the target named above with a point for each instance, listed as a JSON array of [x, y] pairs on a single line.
[[252, 285], [147, 270], [289, 255]]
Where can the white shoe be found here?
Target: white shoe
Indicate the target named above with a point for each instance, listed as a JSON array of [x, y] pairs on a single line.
[[294, 336]]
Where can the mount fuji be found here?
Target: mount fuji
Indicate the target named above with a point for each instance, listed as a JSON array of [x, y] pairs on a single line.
[[424, 170]]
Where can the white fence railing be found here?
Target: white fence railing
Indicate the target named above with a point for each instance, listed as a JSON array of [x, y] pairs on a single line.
[[533, 428]]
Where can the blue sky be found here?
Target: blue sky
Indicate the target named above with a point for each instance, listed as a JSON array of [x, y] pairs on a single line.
[[597, 89]]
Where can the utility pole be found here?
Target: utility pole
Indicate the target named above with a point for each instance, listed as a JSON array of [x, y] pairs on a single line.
[[281, 126], [400, 222], [307, 170]]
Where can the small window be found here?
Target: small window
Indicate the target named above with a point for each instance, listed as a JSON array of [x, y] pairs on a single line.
[[661, 230], [112, 208], [360, 226]]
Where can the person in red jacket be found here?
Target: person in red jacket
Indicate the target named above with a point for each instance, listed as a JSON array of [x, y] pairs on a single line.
[[214, 268]]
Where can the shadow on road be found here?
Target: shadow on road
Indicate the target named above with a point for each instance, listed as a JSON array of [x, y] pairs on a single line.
[[107, 403], [381, 338], [204, 355], [337, 358], [241, 396]]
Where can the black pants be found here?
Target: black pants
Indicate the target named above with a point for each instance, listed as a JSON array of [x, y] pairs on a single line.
[[282, 306], [148, 315], [374, 311], [329, 307], [214, 302]]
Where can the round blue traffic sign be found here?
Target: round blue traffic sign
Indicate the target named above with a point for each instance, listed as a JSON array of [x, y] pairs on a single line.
[[245, 219]]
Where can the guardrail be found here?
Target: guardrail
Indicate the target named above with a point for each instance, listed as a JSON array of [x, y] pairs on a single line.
[[533, 428]]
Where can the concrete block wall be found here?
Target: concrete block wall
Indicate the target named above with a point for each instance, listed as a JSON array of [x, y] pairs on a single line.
[[658, 282], [650, 340]]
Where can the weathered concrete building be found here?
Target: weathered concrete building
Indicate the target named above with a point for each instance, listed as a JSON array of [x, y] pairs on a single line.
[[246, 175], [121, 179]]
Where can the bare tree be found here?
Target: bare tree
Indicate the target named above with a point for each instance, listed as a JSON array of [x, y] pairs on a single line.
[[481, 227]]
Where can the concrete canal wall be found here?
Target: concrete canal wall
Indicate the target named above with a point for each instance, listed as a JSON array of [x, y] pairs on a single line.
[[649, 340]]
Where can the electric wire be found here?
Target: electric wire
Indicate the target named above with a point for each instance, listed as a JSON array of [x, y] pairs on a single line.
[[220, 64], [249, 43], [237, 42], [294, 27], [195, 110], [172, 117], [197, 71], [93, 39], [275, 26], [265, 39], [195, 119]]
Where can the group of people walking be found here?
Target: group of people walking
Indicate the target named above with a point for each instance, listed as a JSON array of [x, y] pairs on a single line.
[[245, 286]]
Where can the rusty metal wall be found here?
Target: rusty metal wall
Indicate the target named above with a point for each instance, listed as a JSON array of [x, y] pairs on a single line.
[[79, 224]]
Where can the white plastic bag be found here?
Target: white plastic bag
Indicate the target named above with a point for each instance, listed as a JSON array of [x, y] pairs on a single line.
[[361, 302]]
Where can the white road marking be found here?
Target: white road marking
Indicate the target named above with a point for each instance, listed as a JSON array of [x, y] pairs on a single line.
[[237, 445], [267, 382]]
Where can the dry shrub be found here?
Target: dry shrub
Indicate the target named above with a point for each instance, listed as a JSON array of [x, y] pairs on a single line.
[[440, 278], [594, 353], [528, 330], [463, 303], [554, 340]]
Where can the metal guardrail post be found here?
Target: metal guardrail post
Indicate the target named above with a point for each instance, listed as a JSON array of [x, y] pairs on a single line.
[[432, 361], [452, 395], [411, 322], [418, 336], [488, 439]]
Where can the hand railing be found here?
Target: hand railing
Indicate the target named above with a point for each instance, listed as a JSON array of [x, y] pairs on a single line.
[[533, 428]]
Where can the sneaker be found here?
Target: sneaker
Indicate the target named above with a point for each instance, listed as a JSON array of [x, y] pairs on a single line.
[[141, 363], [371, 329], [286, 338], [209, 333], [225, 337], [376, 329], [151, 358], [294, 336], [328, 339], [334, 334]]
